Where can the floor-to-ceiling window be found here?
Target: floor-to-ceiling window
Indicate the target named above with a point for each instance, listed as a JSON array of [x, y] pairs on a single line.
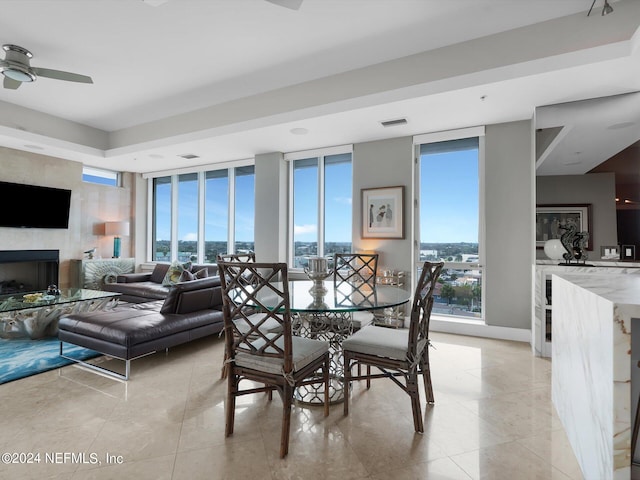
[[216, 208], [321, 186], [188, 216], [244, 208], [198, 215], [161, 219], [449, 218]]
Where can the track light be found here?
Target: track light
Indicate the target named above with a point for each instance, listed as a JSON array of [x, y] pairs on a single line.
[[606, 10]]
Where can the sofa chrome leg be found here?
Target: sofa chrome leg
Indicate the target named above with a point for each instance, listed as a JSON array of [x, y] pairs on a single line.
[[101, 370]]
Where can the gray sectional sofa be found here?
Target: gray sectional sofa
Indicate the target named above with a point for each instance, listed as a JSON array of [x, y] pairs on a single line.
[[147, 287], [191, 310]]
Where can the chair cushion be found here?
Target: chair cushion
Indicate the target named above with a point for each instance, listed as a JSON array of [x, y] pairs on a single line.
[[361, 319], [380, 341], [304, 351]]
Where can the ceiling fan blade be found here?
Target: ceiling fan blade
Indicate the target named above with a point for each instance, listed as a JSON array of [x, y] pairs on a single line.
[[291, 4], [60, 75], [11, 84]]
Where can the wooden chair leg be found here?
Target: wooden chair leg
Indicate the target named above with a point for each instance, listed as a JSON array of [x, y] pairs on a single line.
[[232, 389], [325, 373], [347, 383], [287, 400], [225, 366], [426, 376], [414, 393]]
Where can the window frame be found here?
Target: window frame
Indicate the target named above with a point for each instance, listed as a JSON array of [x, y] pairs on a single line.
[[201, 172], [114, 178], [320, 154], [444, 136]]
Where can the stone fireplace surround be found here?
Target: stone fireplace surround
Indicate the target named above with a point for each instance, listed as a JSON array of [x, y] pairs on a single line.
[[28, 270]]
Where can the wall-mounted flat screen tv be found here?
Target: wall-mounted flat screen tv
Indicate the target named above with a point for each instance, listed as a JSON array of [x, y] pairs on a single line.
[[31, 206]]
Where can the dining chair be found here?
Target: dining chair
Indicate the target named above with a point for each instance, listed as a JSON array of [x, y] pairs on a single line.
[[359, 271], [279, 360], [397, 352], [269, 325]]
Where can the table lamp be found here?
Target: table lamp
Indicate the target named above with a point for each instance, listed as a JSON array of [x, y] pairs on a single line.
[[117, 229]]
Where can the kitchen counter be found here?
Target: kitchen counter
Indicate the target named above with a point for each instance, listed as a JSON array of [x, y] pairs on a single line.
[[592, 368]]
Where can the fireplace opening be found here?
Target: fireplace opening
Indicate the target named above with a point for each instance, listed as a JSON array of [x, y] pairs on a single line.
[[28, 270]]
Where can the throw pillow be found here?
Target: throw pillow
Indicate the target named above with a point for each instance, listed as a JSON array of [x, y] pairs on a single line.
[[159, 272], [186, 276], [175, 270], [202, 273]]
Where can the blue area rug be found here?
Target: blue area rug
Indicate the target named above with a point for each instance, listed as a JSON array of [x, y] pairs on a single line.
[[24, 357]]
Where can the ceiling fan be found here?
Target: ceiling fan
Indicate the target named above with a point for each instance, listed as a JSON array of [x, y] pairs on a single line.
[[16, 69]]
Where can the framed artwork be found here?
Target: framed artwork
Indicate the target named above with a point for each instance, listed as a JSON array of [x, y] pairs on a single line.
[[610, 252], [628, 252], [549, 218], [383, 212]]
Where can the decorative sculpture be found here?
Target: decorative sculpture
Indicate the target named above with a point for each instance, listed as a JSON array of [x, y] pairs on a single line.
[[574, 242]]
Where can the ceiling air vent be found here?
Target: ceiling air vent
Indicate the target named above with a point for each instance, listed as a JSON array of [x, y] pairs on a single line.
[[189, 156], [393, 123]]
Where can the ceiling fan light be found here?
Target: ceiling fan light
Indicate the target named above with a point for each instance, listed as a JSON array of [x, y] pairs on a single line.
[[18, 75], [607, 9]]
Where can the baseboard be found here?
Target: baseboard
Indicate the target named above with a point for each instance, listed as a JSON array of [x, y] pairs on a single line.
[[477, 329]]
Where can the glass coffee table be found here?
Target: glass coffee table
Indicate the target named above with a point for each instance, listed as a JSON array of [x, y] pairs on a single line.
[[36, 314]]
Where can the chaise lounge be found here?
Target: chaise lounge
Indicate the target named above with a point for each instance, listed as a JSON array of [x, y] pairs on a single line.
[[190, 310]]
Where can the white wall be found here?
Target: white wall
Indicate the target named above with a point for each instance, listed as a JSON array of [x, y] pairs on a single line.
[[271, 207], [385, 163], [509, 224]]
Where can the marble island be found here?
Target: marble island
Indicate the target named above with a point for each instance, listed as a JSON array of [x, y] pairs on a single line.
[[592, 366]]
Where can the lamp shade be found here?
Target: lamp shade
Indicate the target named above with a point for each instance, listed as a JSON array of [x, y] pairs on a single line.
[[116, 229]]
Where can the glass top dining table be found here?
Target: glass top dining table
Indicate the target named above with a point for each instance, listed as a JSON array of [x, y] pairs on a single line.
[[323, 310], [307, 296]]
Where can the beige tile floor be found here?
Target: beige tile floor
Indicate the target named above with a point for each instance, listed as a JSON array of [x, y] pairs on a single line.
[[493, 419]]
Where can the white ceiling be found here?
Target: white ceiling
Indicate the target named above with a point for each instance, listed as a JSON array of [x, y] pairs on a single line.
[[205, 77]]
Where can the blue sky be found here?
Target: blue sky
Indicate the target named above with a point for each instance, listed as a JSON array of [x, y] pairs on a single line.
[[449, 194], [338, 203], [216, 209]]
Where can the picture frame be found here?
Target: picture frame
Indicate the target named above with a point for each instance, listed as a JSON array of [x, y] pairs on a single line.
[[628, 252], [610, 252], [550, 217], [383, 212]]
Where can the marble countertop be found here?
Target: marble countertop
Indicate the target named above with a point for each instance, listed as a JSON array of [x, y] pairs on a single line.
[[620, 289], [594, 263]]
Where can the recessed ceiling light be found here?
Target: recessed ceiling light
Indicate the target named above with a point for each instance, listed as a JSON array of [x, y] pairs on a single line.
[[155, 155], [189, 156], [299, 131]]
